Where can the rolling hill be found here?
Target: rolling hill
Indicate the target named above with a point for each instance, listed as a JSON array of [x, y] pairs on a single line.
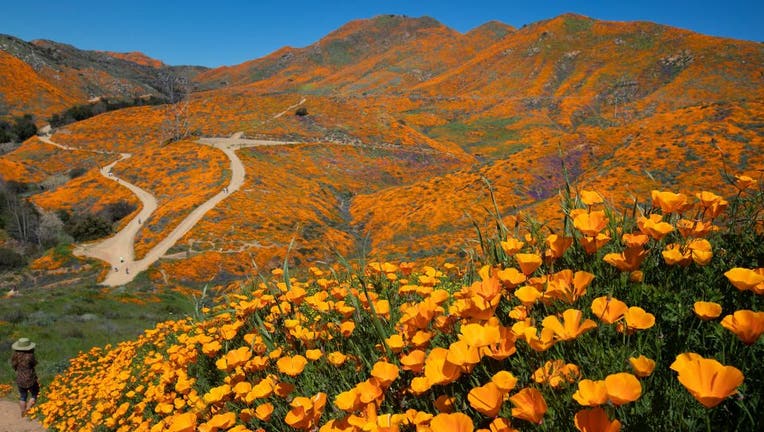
[[407, 123]]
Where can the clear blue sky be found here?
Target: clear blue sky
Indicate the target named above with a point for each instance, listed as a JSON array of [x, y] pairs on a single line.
[[220, 32]]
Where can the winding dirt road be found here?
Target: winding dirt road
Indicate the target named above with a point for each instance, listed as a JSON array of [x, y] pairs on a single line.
[[118, 250]]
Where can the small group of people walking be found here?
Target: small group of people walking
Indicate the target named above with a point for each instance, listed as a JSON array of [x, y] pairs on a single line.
[[23, 362]]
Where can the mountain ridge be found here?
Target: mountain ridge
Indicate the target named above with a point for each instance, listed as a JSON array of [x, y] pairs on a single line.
[[428, 117]]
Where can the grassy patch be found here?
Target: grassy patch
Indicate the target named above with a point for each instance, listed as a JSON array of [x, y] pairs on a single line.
[[66, 321]]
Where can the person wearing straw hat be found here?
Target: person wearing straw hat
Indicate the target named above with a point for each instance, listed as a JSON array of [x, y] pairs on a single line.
[[24, 362]]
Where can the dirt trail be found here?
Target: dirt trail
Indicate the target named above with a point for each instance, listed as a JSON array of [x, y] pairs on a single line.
[[302, 101], [118, 250], [11, 421]]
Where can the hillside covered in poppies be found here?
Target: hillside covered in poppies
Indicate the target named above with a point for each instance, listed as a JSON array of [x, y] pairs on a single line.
[[398, 227]]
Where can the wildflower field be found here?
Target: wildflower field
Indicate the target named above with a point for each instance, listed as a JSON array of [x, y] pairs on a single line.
[[641, 321]]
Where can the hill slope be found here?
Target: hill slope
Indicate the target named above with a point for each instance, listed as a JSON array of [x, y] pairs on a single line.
[[408, 122]]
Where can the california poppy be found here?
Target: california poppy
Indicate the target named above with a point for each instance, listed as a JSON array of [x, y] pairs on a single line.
[[743, 278], [622, 388], [670, 202], [595, 420], [642, 365], [590, 197], [384, 372], [746, 324], [590, 224], [608, 309], [528, 262], [529, 405], [486, 399], [707, 380], [292, 366], [572, 325], [591, 393], [455, 422], [638, 319], [707, 310]]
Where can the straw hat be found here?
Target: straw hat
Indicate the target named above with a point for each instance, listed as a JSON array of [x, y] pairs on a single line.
[[23, 344]]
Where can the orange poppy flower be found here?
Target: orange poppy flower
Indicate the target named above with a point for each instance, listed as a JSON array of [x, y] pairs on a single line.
[[707, 310], [528, 295], [313, 354], [486, 399], [217, 394], [438, 370], [557, 245], [746, 324], [419, 385], [305, 411], [445, 403], [555, 373], [462, 354], [504, 380], [670, 202], [608, 310], [743, 278], [694, 228], [529, 405], [635, 240], [622, 388], [421, 338], [539, 342], [743, 182], [348, 401], [568, 286], [643, 366], [185, 422], [707, 380], [369, 391], [500, 424], [336, 358], [571, 327], [502, 349], [676, 254], [638, 319], [510, 277], [456, 422], [385, 372], [219, 421], [413, 361], [590, 198], [292, 366], [478, 335], [595, 420], [712, 204], [512, 245], [628, 260], [528, 262], [654, 226], [591, 393], [263, 411], [700, 251], [592, 244], [590, 224]]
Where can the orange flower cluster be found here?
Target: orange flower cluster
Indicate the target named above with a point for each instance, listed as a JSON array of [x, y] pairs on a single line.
[[398, 346]]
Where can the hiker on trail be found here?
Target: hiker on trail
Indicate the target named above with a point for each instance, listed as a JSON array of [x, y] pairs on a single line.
[[121, 259], [127, 270], [23, 362]]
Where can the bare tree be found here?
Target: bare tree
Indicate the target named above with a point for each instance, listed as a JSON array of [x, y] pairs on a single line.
[[176, 125]]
